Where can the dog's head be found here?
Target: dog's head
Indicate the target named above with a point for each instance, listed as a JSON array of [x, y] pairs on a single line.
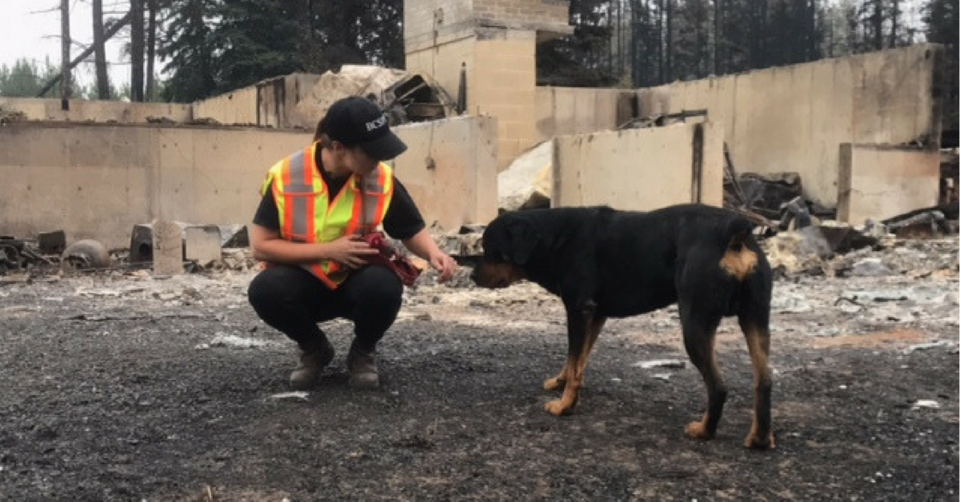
[[509, 243]]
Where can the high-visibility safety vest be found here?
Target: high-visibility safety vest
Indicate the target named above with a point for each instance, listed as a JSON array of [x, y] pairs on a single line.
[[307, 214]]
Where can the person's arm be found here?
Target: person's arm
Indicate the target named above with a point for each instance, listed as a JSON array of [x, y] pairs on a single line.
[[423, 245], [267, 245]]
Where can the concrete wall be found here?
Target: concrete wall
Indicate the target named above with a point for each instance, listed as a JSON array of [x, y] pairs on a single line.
[[97, 181], [278, 98], [444, 66], [506, 88], [237, 107], [880, 182], [271, 103], [794, 118], [434, 23], [496, 42], [640, 169], [450, 169], [576, 110], [99, 111], [537, 14], [781, 119]]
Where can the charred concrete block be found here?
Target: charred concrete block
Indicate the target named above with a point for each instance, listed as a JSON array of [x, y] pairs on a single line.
[[167, 248], [141, 243], [141, 239], [52, 242], [202, 243]]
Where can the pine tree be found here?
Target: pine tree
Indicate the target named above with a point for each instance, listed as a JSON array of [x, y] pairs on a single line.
[[581, 59], [187, 49], [255, 40], [692, 46], [25, 79]]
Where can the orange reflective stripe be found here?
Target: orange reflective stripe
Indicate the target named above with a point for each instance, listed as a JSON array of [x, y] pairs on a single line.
[[308, 166], [287, 203], [309, 173], [318, 271]]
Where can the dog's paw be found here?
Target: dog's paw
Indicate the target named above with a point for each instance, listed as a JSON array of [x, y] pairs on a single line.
[[696, 430], [756, 442], [556, 407], [553, 384]]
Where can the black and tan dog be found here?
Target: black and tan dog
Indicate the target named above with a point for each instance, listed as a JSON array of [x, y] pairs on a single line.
[[605, 263]]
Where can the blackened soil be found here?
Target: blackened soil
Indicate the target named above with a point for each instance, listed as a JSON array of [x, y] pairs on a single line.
[[127, 388]]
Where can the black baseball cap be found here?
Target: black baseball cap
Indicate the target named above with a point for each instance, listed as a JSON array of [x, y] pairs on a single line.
[[357, 121]]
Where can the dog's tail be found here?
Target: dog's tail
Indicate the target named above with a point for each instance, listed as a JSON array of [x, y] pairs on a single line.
[[738, 260], [737, 231]]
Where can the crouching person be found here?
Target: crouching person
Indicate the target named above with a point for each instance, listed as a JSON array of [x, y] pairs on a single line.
[[315, 206]]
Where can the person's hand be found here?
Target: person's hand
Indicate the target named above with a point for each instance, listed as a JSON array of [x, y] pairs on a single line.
[[350, 251], [443, 264]]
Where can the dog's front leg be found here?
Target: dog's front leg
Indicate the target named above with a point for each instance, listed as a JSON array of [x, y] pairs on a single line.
[[583, 327], [559, 381]]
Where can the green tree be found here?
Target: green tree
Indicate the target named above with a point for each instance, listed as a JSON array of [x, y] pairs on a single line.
[[257, 39], [582, 59], [25, 79], [691, 44], [213, 46], [187, 50]]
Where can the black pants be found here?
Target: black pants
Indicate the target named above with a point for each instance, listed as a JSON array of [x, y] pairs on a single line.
[[293, 301]]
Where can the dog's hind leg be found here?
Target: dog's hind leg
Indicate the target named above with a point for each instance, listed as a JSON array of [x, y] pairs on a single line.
[[699, 338], [756, 329], [583, 328]]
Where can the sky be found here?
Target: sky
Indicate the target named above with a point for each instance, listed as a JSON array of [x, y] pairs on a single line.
[[31, 29]]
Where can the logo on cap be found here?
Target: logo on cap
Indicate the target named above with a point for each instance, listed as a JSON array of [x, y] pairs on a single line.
[[377, 123]]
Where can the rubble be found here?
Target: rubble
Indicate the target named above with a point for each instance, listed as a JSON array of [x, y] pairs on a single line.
[[806, 250], [351, 80], [46, 256], [527, 182], [52, 242], [85, 254], [417, 98], [766, 195], [926, 222], [405, 97]]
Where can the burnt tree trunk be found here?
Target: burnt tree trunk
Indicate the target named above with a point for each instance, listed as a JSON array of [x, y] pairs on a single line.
[[136, 50], [99, 51], [151, 47], [65, 54]]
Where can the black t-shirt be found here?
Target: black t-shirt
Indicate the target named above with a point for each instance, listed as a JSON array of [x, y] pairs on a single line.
[[402, 221]]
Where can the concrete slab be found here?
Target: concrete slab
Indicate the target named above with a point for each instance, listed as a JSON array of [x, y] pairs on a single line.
[[167, 248], [878, 182], [640, 169], [202, 243]]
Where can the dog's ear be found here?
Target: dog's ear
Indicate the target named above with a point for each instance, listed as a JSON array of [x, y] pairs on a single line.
[[523, 240]]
